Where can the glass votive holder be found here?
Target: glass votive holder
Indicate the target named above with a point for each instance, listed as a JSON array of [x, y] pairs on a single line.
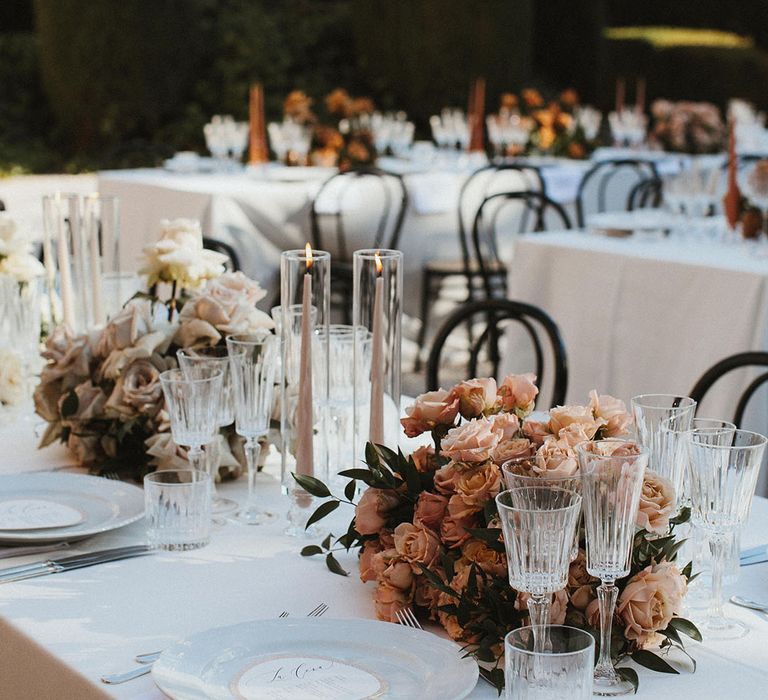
[[177, 506], [563, 670]]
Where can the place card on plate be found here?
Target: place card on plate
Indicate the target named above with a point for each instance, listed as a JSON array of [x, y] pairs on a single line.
[[37, 514], [318, 677]]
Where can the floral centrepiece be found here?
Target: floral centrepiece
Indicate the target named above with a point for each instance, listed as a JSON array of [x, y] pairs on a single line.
[[687, 127], [100, 392], [430, 538]]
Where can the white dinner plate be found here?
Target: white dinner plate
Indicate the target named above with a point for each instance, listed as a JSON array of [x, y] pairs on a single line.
[[105, 504], [315, 659]]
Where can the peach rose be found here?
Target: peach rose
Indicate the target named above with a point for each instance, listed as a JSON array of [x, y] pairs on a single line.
[[536, 431], [489, 560], [555, 458], [388, 600], [657, 503], [430, 510], [476, 397], [369, 551], [507, 425], [137, 391], [417, 544], [613, 413], [649, 601], [573, 435], [453, 531], [426, 595], [518, 391], [580, 583], [512, 449], [592, 614], [556, 612], [614, 448], [68, 358], [475, 487], [371, 511], [431, 409], [562, 416], [398, 574], [446, 478], [424, 458], [471, 442]]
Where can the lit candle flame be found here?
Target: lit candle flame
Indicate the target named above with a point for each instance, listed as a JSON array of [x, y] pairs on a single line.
[[379, 266], [308, 253]]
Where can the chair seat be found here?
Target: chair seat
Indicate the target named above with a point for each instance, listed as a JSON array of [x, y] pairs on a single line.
[[457, 267]]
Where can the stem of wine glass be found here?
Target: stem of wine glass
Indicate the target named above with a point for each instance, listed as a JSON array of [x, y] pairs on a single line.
[[196, 458], [717, 546], [252, 450], [212, 459], [538, 610], [606, 596]]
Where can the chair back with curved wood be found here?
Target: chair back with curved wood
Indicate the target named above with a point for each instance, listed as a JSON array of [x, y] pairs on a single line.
[[233, 264], [489, 320], [729, 364]]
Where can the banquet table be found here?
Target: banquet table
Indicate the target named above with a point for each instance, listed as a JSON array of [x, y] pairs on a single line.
[[60, 633]]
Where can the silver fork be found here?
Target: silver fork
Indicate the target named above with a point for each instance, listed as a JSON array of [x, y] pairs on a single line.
[[406, 618], [147, 660]]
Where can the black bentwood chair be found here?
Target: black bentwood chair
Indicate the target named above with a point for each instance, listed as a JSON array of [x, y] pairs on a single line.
[[333, 214], [477, 187], [490, 319], [622, 177], [233, 264], [729, 364], [536, 212]]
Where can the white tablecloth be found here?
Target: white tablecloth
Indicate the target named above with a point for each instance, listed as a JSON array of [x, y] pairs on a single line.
[[61, 632]]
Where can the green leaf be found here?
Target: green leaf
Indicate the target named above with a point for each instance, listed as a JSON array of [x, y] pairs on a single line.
[[686, 627], [629, 674], [311, 550], [334, 566], [312, 486], [496, 677], [70, 405], [322, 510], [326, 543], [350, 489], [372, 456], [650, 660], [447, 564], [672, 635], [682, 517], [361, 474], [687, 570], [435, 580]]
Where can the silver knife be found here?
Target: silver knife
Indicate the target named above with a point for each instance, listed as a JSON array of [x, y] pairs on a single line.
[[756, 559], [79, 561], [753, 552]]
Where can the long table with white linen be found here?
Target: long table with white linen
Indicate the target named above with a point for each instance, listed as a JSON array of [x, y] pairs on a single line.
[[60, 633]]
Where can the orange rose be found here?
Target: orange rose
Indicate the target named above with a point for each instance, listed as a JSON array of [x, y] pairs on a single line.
[[556, 612], [532, 97], [371, 511], [475, 487], [430, 510], [417, 544], [453, 531], [446, 478], [339, 102], [388, 600], [489, 560], [370, 550], [424, 458]]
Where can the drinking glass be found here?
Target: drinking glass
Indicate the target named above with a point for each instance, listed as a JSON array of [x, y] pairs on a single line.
[[197, 363], [611, 483], [253, 360], [673, 448], [192, 408], [178, 509], [649, 411], [562, 670], [539, 524], [723, 479], [519, 473]]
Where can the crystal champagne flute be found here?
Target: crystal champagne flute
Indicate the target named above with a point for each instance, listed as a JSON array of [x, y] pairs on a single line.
[[612, 474]]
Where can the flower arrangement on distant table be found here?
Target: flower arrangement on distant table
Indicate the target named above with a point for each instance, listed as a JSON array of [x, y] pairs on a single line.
[[100, 392], [687, 127], [430, 537]]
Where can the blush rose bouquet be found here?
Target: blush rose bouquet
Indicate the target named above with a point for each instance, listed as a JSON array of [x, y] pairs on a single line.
[[429, 536], [100, 392]]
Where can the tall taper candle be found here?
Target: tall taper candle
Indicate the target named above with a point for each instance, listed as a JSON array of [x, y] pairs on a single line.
[[94, 227], [640, 96], [304, 420], [65, 271], [619, 95], [376, 429]]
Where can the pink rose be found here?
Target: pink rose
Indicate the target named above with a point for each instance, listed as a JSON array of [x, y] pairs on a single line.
[[430, 510], [471, 442], [562, 416], [453, 531], [518, 391], [445, 479], [512, 449], [613, 413], [424, 458], [476, 486], [370, 550], [371, 511], [657, 503], [536, 431], [649, 601], [555, 459], [417, 544], [431, 409], [507, 425], [476, 396], [388, 600]]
